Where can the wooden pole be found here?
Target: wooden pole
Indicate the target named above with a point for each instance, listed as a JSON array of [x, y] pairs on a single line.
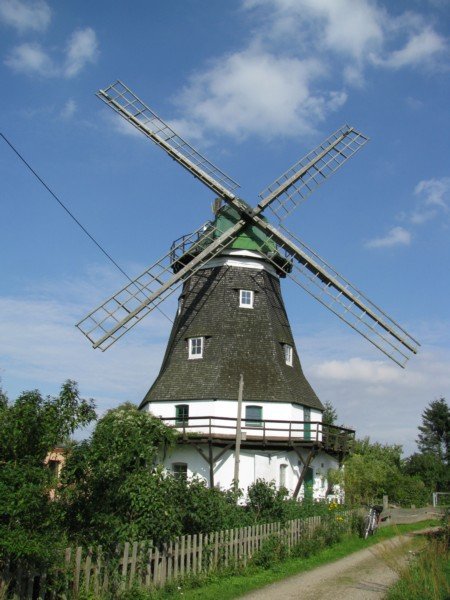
[[211, 465], [238, 433]]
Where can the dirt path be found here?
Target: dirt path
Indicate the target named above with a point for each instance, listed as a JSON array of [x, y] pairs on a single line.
[[363, 575]]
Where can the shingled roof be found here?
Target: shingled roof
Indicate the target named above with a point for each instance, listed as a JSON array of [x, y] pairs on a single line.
[[237, 340]]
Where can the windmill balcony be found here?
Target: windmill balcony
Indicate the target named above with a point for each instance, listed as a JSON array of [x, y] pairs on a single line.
[[264, 432]]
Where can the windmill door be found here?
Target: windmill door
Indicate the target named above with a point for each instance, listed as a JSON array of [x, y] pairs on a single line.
[[309, 483], [307, 423]]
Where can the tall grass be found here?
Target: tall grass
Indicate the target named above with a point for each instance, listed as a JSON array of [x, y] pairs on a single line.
[[426, 576]]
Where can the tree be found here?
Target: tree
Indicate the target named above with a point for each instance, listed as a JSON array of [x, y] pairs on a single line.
[[434, 436], [112, 488], [433, 472], [30, 427], [329, 416], [373, 470]]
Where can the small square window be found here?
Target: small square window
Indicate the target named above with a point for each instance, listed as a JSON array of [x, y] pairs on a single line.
[[288, 354], [246, 298], [180, 470], [196, 347], [253, 416]]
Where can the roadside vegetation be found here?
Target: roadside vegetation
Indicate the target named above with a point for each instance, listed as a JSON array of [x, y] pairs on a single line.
[[113, 488], [373, 470], [235, 582], [426, 576]]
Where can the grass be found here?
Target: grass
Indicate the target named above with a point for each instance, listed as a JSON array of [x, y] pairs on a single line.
[[228, 586], [427, 575]]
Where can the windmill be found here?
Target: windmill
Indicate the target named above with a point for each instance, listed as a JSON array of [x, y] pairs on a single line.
[[227, 266]]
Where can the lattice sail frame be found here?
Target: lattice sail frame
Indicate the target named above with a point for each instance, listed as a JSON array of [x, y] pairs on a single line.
[[118, 314], [121, 312], [300, 180], [317, 277], [125, 102]]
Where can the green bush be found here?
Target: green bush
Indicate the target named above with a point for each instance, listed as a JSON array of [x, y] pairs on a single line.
[[272, 551], [407, 490]]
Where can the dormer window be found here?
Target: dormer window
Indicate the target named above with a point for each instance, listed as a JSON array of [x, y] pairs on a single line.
[[181, 415], [288, 354], [246, 298], [196, 347]]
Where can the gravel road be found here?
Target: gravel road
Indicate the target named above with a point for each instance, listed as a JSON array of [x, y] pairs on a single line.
[[363, 575]]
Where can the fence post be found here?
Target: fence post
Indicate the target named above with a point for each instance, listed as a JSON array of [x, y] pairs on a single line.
[[126, 549], [200, 552], [76, 580], [176, 558], [156, 567], [188, 554]]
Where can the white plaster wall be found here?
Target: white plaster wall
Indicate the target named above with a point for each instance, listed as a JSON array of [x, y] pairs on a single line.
[[254, 464], [277, 411]]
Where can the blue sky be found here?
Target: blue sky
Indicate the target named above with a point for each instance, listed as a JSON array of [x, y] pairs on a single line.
[[254, 84]]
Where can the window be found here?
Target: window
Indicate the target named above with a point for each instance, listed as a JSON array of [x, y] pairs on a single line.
[[54, 466], [253, 416], [196, 347], [180, 470], [181, 415], [288, 354], [283, 469], [246, 298]]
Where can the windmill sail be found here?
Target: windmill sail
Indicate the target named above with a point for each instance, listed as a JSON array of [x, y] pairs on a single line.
[[298, 182], [318, 278], [125, 102], [121, 312], [117, 315]]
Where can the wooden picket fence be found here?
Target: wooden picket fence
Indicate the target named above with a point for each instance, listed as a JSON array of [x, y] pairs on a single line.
[[148, 565], [143, 564]]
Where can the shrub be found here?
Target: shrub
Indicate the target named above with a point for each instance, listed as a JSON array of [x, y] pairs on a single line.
[[272, 551]]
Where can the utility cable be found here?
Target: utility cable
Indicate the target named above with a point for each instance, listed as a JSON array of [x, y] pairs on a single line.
[[72, 216]]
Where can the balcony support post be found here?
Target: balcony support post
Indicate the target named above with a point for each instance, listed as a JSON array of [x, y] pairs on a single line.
[[211, 459]]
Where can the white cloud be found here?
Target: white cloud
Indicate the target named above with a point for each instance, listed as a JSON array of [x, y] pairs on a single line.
[[40, 346], [256, 92], [359, 369], [376, 397], [351, 28], [419, 50], [69, 109], [434, 192], [82, 49], [433, 195], [397, 236], [120, 125], [31, 59], [25, 16], [414, 103], [277, 82]]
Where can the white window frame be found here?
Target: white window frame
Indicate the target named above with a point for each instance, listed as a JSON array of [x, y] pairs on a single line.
[[288, 354], [196, 345], [243, 295]]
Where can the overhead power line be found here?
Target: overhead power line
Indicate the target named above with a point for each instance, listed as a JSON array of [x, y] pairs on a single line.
[[71, 215]]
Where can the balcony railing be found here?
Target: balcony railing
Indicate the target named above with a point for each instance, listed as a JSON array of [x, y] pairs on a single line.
[[265, 431]]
